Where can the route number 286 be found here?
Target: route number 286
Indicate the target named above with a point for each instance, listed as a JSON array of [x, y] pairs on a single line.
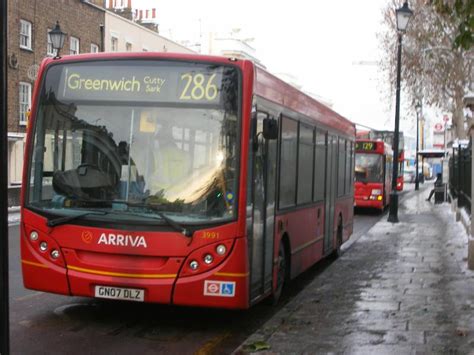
[[198, 88]]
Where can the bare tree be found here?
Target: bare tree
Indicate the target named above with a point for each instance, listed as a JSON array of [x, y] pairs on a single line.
[[434, 69]]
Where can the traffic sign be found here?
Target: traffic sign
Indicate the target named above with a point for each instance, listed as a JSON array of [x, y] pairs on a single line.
[[438, 127], [445, 118]]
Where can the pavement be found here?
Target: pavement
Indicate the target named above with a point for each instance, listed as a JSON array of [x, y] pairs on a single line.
[[400, 289], [13, 216]]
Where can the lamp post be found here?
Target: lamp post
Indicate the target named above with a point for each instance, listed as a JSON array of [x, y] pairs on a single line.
[[418, 113], [57, 38], [403, 15]]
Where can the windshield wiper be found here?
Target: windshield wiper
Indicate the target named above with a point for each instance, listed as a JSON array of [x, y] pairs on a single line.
[[171, 222], [63, 220]]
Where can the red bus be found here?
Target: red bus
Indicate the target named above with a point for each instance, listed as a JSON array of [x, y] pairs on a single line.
[[179, 179], [401, 169], [387, 137], [373, 174]]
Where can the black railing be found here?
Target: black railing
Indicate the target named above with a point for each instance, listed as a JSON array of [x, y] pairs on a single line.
[[460, 176]]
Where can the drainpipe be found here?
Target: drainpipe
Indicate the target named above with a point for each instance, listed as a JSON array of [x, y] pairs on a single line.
[[102, 37]]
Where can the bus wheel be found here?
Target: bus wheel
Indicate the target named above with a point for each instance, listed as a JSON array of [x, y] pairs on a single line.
[[281, 274]]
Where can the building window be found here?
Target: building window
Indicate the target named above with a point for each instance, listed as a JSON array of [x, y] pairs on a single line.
[[25, 102], [119, 4], [94, 48], [114, 44], [25, 34], [128, 47], [15, 161], [74, 45], [49, 49]]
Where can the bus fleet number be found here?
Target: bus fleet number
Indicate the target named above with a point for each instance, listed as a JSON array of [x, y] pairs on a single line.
[[210, 235]]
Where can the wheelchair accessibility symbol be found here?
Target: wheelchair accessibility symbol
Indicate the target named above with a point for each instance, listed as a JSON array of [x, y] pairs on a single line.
[[227, 289], [219, 288]]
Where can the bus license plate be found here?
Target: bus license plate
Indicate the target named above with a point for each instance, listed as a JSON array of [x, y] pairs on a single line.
[[120, 293]]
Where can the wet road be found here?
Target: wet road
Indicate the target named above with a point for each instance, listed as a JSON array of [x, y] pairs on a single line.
[[44, 323]]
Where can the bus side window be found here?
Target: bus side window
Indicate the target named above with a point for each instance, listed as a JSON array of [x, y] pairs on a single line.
[[319, 165], [288, 154]]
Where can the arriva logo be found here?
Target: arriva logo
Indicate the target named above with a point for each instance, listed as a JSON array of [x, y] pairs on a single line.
[[86, 237], [123, 240]]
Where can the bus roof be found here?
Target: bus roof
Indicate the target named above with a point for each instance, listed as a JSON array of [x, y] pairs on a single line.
[[278, 91], [140, 55]]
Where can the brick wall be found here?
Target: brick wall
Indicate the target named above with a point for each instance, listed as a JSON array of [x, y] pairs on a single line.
[[75, 17]]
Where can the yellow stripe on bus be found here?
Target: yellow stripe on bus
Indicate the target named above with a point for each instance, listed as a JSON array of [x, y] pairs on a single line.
[[119, 274], [34, 264], [231, 274]]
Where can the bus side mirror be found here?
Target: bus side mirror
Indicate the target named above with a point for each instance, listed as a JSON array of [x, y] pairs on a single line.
[[270, 128]]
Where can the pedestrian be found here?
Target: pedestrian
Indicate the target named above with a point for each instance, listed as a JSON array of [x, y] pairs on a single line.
[[438, 183]]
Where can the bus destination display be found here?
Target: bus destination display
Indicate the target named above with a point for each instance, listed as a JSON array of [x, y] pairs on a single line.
[[159, 84], [366, 146]]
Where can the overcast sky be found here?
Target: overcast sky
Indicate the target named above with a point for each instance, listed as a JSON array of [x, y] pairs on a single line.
[[318, 42]]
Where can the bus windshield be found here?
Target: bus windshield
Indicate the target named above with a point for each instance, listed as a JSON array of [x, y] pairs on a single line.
[[137, 137], [368, 168]]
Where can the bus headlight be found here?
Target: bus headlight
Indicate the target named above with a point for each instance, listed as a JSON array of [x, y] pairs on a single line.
[[221, 249], [193, 265], [43, 246], [208, 259], [34, 236]]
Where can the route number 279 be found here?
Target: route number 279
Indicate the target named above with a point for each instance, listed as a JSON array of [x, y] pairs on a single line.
[[198, 88]]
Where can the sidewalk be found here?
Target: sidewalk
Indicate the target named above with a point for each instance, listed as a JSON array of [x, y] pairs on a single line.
[[400, 289], [13, 215]]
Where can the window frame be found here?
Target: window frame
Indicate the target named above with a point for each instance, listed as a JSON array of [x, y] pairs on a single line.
[[113, 43], [49, 45], [94, 46], [22, 115], [28, 35], [72, 40]]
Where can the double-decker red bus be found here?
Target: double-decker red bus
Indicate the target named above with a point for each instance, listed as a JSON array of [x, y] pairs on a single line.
[[179, 179], [373, 174]]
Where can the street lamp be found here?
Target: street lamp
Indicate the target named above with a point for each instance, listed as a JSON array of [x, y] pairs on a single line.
[[418, 113], [403, 17], [57, 38]]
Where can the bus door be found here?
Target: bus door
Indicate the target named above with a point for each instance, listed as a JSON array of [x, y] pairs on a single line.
[[261, 208], [330, 192]]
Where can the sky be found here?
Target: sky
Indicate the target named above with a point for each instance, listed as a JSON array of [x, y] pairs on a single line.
[[320, 43]]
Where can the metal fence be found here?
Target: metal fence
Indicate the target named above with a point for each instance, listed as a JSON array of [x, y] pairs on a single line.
[[460, 176]]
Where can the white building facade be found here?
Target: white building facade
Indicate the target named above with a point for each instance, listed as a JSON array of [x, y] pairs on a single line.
[[123, 35]]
